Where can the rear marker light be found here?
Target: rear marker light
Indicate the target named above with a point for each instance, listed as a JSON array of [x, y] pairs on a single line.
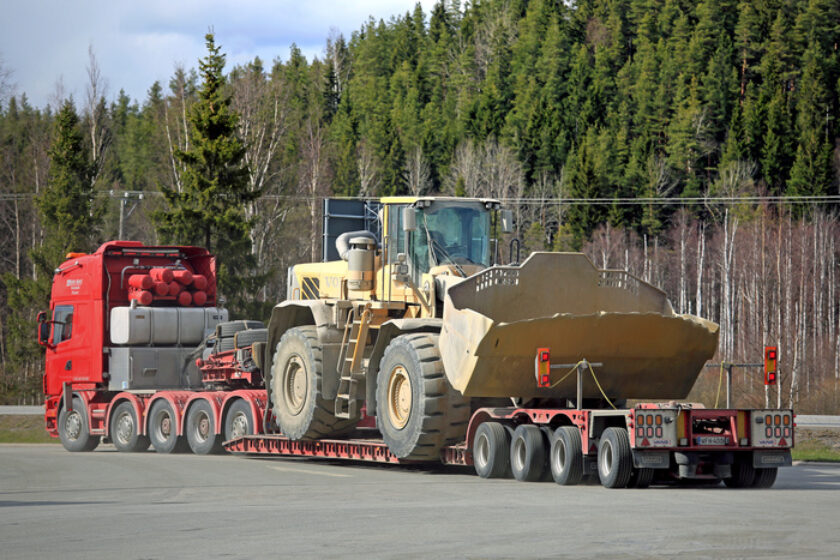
[[768, 420], [658, 419], [768, 432], [640, 432], [658, 431], [786, 420], [778, 420], [787, 432], [778, 432], [650, 432]]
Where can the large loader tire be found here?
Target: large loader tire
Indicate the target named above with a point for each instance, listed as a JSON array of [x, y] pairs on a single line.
[[417, 411], [73, 429], [296, 381]]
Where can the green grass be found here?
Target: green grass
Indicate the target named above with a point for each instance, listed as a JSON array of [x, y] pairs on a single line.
[[815, 450], [24, 429]]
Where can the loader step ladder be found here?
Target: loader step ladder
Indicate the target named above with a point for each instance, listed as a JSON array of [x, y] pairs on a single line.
[[351, 362]]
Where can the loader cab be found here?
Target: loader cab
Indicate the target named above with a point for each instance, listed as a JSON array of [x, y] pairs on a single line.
[[440, 235]]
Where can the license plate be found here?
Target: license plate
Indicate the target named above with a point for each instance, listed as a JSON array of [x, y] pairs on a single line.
[[712, 440]]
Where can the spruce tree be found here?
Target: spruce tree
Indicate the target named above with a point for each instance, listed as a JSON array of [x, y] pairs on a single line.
[[209, 209]]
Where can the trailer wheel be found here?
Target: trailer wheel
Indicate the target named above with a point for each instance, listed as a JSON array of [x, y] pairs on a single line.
[[743, 475], [640, 478], [566, 456], [615, 461], [296, 374], [73, 429], [201, 429], [239, 421], [162, 429], [124, 430], [765, 478], [417, 411], [491, 451], [527, 453]]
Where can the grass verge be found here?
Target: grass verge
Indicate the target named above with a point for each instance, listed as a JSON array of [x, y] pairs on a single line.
[[815, 450], [24, 429]]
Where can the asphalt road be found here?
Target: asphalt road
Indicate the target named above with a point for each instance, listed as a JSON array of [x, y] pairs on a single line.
[[54, 504]]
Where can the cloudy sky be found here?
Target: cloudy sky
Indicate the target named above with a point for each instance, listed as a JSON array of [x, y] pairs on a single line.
[[44, 42]]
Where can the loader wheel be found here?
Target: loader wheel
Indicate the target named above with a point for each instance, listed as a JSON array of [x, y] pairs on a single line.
[[566, 456], [73, 428], [491, 451], [527, 453], [163, 429], [743, 475], [239, 421], [296, 380], [201, 430], [615, 461], [764, 478], [124, 430], [417, 411]]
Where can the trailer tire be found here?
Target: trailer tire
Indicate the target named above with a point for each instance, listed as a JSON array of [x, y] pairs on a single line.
[[640, 478], [73, 429], [743, 475], [124, 430], [566, 456], [491, 450], [615, 460], [296, 381], [230, 328], [765, 478], [244, 339], [239, 421], [527, 453], [417, 411], [200, 428], [162, 429]]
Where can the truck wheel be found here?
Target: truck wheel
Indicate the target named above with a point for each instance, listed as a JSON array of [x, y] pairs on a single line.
[[162, 429], [640, 478], [566, 456], [124, 432], [615, 462], [527, 453], [296, 375], [201, 429], [239, 421], [743, 475], [73, 428], [417, 411], [491, 451], [764, 478]]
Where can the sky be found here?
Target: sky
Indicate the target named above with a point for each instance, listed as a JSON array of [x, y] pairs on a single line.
[[44, 43]]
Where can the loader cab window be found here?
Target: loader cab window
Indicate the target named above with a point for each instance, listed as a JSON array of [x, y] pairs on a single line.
[[451, 233], [396, 234], [63, 323]]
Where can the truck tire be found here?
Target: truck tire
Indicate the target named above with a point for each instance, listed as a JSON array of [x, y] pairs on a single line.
[[124, 430], [527, 453], [765, 478], [200, 428], [615, 461], [566, 456], [162, 428], [73, 429], [640, 478], [418, 412], [296, 381], [743, 475], [244, 339], [491, 451], [239, 421], [230, 328]]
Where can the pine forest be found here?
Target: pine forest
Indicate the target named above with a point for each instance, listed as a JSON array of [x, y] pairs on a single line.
[[695, 144]]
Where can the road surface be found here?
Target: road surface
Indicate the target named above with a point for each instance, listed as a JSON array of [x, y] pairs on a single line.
[[54, 504]]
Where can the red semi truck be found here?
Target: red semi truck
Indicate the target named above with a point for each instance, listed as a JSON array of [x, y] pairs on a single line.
[[139, 353]]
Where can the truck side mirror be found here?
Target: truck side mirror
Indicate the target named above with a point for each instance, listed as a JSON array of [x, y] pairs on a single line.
[[43, 329], [408, 219], [507, 221]]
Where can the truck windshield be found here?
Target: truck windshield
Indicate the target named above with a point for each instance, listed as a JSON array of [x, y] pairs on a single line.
[[451, 233]]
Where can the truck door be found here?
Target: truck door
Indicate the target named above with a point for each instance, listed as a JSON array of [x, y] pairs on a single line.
[[67, 358]]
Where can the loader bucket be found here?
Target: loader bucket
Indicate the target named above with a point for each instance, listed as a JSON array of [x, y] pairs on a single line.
[[494, 321]]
